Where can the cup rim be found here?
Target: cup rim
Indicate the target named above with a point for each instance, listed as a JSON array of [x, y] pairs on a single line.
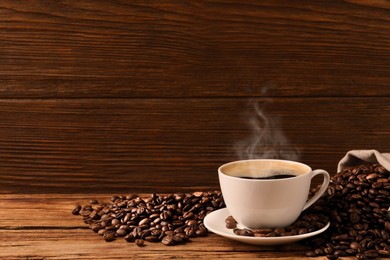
[[309, 169]]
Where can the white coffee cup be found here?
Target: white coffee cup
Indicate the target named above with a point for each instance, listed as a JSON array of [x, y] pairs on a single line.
[[256, 202]]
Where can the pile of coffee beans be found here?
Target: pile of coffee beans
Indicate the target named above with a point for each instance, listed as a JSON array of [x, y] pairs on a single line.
[[306, 223], [170, 219], [357, 202]]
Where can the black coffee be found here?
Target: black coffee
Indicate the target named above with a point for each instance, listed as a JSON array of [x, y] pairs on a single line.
[[276, 176]]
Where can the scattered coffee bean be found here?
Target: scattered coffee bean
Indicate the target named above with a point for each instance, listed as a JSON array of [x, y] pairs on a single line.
[[168, 241], [201, 232], [243, 232], [354, 245], [151, 239], [230, 223], [101, 232], [139, 242], [95, 228], [76, 210], [130, 238], [109, 236], [332, 257], [171, 219], [121, 232]]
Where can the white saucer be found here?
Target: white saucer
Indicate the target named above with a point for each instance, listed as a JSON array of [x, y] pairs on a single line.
[[215, 222]]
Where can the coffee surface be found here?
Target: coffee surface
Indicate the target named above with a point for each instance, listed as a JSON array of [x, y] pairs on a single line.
[[264, 168], [271, 177]]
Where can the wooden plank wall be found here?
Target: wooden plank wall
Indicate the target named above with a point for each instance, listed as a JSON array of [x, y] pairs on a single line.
[[152, 96]]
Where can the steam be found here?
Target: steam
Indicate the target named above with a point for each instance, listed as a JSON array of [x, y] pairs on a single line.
[[267, 140]]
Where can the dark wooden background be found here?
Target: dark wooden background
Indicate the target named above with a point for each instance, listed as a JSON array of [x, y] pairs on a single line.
[[152, 96]]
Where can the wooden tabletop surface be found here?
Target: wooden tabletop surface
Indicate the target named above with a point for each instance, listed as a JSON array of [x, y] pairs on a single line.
[[41, 226]]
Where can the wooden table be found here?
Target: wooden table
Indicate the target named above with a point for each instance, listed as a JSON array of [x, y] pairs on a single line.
[[41, 226]]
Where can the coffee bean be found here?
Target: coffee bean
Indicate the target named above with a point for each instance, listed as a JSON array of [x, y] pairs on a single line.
[[178, 238], [341, 237], [183, 236], [372, 176], [145, 233], [151, 239], [139, 242], [95, 227], [371, 253], [110, 228], [121, 232], [279, 231], [340, 252], [243, 232], [168, 241], [330, 191], [354, 245], [230, 222], [231, 225], [76, 210], [109, 236], [201, 232], [115, 222], [101, 232], [376, 185], [263, 230], [130, 238], [384, 252], [143, 222], [192, 222], [85, 212]]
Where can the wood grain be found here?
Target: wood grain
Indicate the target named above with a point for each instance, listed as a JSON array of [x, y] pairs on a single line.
[[168, 145], [110, 49], [41, 226]]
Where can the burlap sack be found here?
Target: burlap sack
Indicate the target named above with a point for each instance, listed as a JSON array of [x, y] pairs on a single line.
[[356, 157]]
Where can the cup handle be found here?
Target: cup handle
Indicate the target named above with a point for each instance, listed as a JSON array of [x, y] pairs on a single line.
[[323, 188]]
